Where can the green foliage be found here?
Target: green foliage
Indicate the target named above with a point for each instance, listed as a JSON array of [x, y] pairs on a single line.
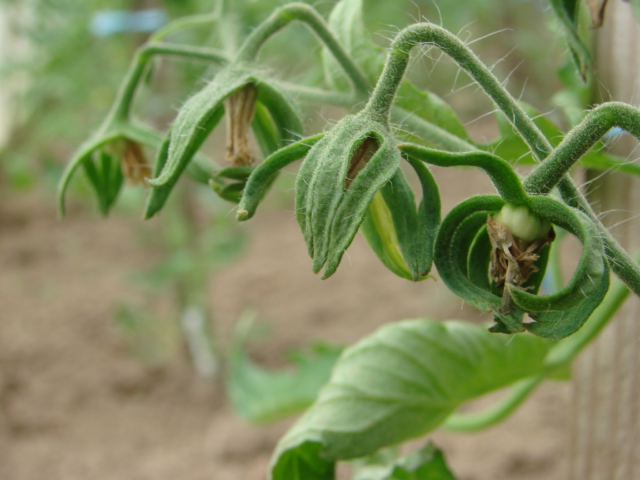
[[427, 463], [337, 182], [262, 395], [400, 383], [409, 377]]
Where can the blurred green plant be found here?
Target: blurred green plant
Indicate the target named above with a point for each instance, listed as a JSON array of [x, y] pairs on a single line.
[[409, 377]]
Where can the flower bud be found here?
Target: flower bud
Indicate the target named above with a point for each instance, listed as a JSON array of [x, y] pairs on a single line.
[[337, 182]]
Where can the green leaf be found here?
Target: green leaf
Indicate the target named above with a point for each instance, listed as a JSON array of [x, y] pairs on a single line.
[[401, 233], [263, 176], [397, 384], [337, 182], [430, 107], [568, 13], [261, 395], [347, 24], [510, 144], [428, 463]]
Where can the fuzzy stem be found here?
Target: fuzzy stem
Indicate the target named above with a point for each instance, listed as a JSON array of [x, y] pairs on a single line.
[[307, 15], [470, 422], [180, 23], [384, 94], [124, 99], [579, 141]]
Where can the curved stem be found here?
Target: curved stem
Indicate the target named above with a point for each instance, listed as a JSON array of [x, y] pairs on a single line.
[[469, 422], [190, 21], [579, 141], [499, 171], [124, 99], [307, 15], [426, 33]]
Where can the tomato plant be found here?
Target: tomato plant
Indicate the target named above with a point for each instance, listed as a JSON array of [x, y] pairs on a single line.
[[409, 377]]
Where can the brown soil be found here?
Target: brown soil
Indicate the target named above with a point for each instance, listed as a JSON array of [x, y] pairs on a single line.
[[76, 404]]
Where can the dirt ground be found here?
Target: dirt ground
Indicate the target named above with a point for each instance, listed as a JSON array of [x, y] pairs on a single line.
[[76, 404]]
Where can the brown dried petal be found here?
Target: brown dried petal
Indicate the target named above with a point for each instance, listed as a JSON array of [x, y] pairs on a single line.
[[597, 12], [239, 109], [135, 166], [360, 158], [513, 260]]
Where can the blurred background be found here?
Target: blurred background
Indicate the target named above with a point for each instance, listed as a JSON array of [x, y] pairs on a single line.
[[120, 339]]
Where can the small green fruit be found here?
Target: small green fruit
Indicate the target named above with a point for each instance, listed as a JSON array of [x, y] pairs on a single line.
[[522, 223]]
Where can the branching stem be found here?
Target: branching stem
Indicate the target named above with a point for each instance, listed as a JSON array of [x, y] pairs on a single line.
[[307, 15]]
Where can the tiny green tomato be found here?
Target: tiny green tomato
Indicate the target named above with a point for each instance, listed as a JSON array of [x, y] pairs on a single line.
[[522, 223]]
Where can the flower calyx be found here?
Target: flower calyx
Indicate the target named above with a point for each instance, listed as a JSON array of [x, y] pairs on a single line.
[[474, 265], [401, 233], [337, 182], [517, 237], [247, 99]]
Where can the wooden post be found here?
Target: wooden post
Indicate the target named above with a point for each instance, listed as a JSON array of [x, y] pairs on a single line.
[[606, 406]]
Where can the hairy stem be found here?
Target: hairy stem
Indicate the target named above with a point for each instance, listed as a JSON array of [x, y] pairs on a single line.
[[579, 141], [307, 15], [470, 422], [384, 94], [426, 33], [124, 99]]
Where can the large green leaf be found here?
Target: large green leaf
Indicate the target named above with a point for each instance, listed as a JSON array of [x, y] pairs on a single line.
[[261, 395], [400, 383], [428, 463]]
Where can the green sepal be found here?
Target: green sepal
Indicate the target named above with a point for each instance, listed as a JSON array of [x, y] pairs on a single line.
[[83, 154], [106, 178], [158, 195], [283, 113], [231, 192], [329, 208], [456, 236], [264, 130], [556, 325], [401, 234], [263, 176], [586, 279], [195, 121]]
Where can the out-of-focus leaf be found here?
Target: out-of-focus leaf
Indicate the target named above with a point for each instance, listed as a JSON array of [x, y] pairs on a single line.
[[568, 13], [261, 395], [428, 463], [347, 24], [400, 383], [511, 146], [430, 107], [596, 7]]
